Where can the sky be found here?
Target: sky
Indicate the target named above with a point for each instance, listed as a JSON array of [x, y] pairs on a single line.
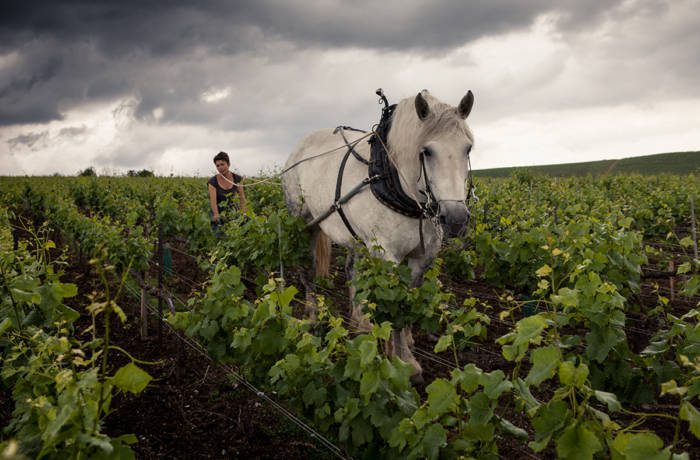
[[165, 85]]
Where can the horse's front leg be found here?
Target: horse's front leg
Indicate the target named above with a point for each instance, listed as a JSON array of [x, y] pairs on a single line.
[[402, 341], [400, 345]]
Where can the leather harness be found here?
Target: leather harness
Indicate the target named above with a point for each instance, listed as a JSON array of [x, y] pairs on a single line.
[[383, 177], [388, 189]]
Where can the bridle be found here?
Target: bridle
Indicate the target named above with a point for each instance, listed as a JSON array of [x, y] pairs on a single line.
[[432, 205]]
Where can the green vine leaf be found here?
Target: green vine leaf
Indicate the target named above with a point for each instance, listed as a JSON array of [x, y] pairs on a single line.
[[442, 397], [570, 375], [608, 399], [444, 343], [545, 362], [435, 437], [131, 378], [639, 446], [577, 443], [369, 383], [691, 415]]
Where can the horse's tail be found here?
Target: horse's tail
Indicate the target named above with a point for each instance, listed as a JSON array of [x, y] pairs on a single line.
[[322, 255]]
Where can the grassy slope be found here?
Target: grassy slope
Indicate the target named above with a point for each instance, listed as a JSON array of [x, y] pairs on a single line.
[[674, 163]]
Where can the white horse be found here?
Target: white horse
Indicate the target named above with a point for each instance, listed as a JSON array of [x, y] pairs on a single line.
[[428, 143]]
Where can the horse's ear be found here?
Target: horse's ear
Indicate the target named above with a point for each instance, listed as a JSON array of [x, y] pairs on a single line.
[[466, 104], [422, 108]]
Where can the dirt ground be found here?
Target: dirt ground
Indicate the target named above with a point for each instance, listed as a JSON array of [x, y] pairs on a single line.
[[192, 409]]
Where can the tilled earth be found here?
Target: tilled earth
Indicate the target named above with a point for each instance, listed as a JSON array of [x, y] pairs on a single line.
[[192, 409]]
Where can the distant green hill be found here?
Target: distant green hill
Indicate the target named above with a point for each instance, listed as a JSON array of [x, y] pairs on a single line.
[[672, 163]]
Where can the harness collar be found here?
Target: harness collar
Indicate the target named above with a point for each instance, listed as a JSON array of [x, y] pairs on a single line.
[[387, 189]]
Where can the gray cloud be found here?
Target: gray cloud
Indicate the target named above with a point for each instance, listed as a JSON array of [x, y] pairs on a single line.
[[166, 28], [73, 131], [33, 141], [78, 51]]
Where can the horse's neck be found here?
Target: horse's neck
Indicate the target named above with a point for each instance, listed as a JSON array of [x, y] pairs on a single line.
[[403, 148]]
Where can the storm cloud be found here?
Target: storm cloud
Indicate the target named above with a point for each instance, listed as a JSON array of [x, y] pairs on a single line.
[[255, 75]]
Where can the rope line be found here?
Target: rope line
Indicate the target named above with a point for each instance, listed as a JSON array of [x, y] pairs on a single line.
[[303, 160]]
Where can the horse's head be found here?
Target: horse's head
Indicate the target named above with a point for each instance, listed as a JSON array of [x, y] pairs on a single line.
[[431, 142]]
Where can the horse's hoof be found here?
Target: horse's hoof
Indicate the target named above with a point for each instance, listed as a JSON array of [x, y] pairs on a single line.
[[417, 379]]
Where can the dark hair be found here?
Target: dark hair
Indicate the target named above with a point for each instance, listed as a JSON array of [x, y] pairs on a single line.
[[222, 156]]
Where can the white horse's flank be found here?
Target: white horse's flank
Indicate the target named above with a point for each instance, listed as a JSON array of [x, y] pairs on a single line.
[[420, 124]]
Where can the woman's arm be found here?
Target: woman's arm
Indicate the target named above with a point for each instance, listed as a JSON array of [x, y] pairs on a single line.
[[212, 203]]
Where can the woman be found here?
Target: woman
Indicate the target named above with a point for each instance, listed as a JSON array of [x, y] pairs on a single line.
[[222, 188]]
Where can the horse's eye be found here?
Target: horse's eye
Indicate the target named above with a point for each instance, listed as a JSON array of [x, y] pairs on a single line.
[[426, 152]]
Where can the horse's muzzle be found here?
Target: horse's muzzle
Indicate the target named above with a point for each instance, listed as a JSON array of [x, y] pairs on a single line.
[[453, 218]]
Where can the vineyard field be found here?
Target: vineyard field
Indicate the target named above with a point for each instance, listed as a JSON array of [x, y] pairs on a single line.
[[669, 163], [565, 324]]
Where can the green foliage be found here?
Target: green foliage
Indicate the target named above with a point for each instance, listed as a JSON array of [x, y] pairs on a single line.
[[459, 261], [462, 325], [258, 244], [344, 383], [515, 255], [674, 355], [319, 375], [265, 197], [570, 249], [386, 290], [59, 383]]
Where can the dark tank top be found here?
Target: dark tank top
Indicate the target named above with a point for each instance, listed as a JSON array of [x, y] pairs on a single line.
[[224, 194]]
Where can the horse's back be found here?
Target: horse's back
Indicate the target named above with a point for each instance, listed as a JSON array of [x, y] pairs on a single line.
[[312, 169], [313, 144]]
